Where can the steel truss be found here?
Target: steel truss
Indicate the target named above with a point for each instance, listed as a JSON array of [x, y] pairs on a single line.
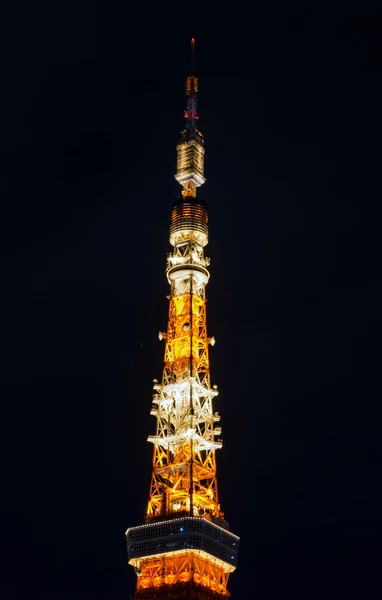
[[184, 465]]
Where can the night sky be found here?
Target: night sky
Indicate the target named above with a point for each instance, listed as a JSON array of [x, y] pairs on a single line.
[[290, 107]]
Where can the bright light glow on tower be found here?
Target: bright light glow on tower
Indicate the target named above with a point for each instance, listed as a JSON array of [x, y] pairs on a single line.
[[185, 546]]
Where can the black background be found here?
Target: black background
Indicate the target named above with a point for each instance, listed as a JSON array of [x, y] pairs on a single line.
[[92, 103]]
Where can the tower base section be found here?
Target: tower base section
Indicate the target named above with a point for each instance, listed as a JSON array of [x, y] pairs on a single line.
[[189, 591], [183, 575]]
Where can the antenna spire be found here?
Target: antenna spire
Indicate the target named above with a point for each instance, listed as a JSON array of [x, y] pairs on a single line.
[[190, 150], [192, 57], [192, 81]]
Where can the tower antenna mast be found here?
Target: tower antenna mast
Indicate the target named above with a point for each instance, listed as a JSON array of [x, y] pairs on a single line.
[[192, 57]]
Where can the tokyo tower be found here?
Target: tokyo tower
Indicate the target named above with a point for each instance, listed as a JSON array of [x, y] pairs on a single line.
[[185, 548]]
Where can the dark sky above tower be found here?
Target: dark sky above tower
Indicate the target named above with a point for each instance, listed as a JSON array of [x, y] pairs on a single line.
[[290, 107]]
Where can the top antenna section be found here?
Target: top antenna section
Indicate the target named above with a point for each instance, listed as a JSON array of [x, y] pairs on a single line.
[[192, 81], [192, 56]]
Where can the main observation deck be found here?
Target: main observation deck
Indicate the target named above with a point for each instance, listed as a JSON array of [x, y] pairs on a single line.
[[187, 534]]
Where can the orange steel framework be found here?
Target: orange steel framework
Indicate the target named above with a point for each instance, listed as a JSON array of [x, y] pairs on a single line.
[[185, 547]]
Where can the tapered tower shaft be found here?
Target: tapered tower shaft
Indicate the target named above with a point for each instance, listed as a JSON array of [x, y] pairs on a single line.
[[185, 545]]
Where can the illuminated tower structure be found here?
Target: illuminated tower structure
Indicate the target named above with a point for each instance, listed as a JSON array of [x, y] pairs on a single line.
[[185, 548]]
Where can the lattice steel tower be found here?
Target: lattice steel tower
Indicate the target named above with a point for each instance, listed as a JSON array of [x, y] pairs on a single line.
[[185, 548]]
